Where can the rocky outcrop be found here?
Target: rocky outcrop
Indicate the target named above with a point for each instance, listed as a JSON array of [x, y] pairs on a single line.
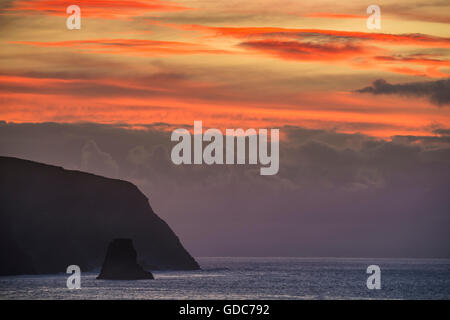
[[51, 218], [121, 262]]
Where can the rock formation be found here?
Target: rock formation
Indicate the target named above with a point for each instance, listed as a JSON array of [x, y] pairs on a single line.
[[121, 262], [51, 218]]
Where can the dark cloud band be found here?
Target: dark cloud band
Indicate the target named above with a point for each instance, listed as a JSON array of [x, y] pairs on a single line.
[[438, 92]]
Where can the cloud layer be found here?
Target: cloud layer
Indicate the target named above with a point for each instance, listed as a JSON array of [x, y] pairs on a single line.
[[438, 92], [274, 63], [335, 194]]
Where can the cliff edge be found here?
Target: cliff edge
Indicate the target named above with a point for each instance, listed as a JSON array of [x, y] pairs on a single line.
[[51, 218]]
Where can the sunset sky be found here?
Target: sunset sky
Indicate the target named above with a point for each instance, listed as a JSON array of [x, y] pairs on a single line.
[[364, 115], [229, 63]]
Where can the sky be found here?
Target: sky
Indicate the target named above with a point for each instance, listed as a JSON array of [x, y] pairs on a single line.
[[254, 64], [364, 115]]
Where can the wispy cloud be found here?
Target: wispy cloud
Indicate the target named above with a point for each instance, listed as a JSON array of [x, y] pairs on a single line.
[[128, 46], [295, 50], [331, 15], [280, 33], [94, 8]]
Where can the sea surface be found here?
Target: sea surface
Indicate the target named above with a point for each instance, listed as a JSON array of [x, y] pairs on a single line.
[[253, 278]]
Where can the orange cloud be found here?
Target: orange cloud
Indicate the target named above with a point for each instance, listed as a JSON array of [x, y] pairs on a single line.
[[416, 59], [94, 8], [329, 15], [128, 46], [140, 101], [280, 33], [400, 63]]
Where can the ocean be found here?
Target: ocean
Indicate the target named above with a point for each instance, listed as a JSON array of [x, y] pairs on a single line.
[[253, 278]]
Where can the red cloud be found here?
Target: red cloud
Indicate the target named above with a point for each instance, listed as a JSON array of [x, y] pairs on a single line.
[[397, 64], [294, 50], [335, 45], [283, 33], [329, 15]]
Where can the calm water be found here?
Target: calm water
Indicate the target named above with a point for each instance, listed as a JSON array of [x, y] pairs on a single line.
[[253, 278]]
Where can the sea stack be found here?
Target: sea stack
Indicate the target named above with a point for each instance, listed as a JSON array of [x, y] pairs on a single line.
[[121, 262]]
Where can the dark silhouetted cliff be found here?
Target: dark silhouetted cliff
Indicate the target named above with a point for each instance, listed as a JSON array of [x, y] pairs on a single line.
[[51, 218]]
